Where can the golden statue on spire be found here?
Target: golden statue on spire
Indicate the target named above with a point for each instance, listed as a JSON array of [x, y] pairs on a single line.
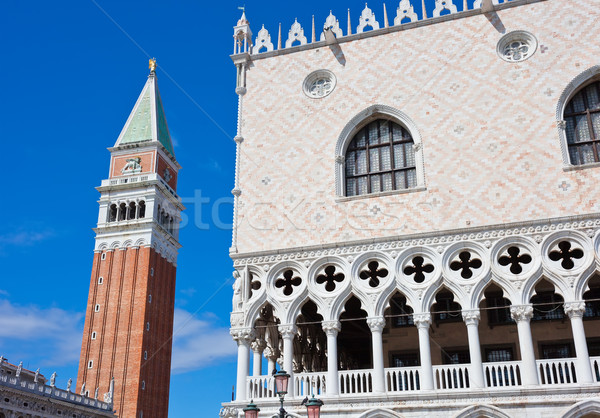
[[152, 64]]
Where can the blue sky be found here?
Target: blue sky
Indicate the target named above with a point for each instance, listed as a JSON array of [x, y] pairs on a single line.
[[71, 73]]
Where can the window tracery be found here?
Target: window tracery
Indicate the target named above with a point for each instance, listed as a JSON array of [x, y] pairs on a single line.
[[582, 125], [380, 158]]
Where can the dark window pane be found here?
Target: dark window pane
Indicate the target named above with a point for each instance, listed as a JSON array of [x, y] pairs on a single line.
[[373, 134], [350, 163], [550, 351], [410, 359], [497, 355], [374, 160], [375, 184], [384, 131], [455, 356]]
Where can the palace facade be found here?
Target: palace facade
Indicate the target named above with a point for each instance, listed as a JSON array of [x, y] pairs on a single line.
[[417, 212]]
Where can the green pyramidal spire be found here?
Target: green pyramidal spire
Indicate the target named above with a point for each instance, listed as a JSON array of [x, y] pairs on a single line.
[[147, 121]]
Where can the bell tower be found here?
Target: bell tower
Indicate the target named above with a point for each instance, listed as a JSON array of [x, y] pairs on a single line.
[[129, 316]]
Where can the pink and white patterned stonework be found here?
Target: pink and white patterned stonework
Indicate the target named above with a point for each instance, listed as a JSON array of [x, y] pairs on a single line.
[[490, 143]]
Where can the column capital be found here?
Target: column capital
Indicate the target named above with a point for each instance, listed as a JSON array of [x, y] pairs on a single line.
[[574, 309], [331, 327], [258, 345], [271, 353], [422, 320], [471, 317], [242, 335], [376, 323], [521, 313], [288, 330]]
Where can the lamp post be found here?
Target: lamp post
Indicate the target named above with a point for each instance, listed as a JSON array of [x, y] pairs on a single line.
[[313, 406]]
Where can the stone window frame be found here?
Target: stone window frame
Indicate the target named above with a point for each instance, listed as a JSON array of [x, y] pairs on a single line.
[[358, 122], [583, 79], [100, 280]]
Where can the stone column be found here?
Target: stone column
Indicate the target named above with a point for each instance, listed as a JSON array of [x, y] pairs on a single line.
[[243, 337], [271, 355], [331, 328], [258, 347], [575, 311], [471, 319], [423, 321], [376, 324], [523, 314], [288, 332]]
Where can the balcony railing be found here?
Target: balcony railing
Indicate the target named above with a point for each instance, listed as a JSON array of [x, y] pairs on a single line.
[[356, 381], [408, 379], [506, 374], [402, 379], [557, 371]]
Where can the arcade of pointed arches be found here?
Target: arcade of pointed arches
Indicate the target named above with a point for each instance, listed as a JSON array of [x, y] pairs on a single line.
[[519, 288]]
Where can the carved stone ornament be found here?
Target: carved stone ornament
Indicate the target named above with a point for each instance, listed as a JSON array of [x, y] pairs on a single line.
[[561, 124], [405, 11], [132, 166], [521, 312], [441, 5], [332, 24], [228, 412], [422, 320], [471, 317], [258, 345], [296, 34], [574, 309], [516, 46], [263, 40], [376, 323], [237, 319], [331, 327], [367, 18], [319, 84], [242, 335], [288, 330]]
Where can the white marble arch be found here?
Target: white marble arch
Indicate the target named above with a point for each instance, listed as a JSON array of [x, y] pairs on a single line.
[[380, 413], [581, 409], [362, 118], [581, 80], [482, 411]]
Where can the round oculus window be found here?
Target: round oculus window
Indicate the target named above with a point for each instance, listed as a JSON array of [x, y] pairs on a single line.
[[319, 84], [516, 46]]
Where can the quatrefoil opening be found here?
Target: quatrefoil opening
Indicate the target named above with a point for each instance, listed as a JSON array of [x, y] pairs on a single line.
[[373, 273], [466, 265], [515, 259], [566, 255], [329, 278], [288, 282], [418, 269], [254, 284]]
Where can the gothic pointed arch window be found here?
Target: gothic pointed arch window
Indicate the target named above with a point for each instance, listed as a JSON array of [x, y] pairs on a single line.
[[379, 151], [380, 158], [582, 125]]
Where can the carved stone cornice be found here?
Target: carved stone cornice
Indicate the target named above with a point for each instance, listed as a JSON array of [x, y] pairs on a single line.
[[574, 309], [376, 323], [487, 235], [422, 320], [471, 317], [288, 330], [331, 327], [243, 336], [521, 313]]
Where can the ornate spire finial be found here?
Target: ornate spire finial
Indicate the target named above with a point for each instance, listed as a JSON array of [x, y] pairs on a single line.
[[314, 35], [349, 24], [243, 20], [424, 10], [385, 17], [152, 65], [279, 38]]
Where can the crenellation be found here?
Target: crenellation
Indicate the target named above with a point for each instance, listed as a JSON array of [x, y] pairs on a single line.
[[443, 10]]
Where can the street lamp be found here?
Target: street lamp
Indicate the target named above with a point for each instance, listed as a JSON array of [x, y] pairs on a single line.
[[251, 411], [313, 406]]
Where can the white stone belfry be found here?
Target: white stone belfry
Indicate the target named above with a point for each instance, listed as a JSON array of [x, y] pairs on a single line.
[[333, 24], [441, 5], [242, 36], [263, 40], [296, 34], [367, 18], [405, 11]]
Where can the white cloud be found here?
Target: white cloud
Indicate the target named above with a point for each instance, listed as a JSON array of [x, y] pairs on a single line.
[[24, 238], [48, 336], [198, 343]]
